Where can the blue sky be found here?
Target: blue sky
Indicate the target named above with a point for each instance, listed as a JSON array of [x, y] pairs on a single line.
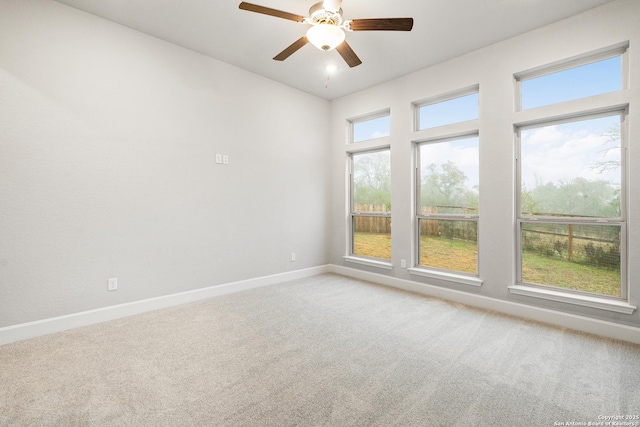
[[455, 110], [371, 129], [556, 153], [562, 152], [590, 79]]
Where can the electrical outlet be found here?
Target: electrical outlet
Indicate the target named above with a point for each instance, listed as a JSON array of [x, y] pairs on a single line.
[[113, 284], [219, 159], [225, 159], [293, 256], [403, 263]]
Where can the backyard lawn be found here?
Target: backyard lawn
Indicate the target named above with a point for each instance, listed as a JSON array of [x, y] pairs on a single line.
[[462, 256], [373, 245], [539, 268]]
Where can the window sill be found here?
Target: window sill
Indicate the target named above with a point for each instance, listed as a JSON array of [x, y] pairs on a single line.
[[584, 300], [369, 262], [450, 277]]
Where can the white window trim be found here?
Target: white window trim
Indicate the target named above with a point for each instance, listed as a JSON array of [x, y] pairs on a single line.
[[368, 262], [576, 299], [620, 49], [366, 117], [568, 111], [448, 96], [425, 271], [351, 257], [622, 221], [448, 276]]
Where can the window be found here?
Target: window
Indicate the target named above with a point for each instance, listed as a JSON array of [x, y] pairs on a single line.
[[571, 205], [447, 109], [447, 176], [371, 204], [580, 78], [371, 127], [571, 182]]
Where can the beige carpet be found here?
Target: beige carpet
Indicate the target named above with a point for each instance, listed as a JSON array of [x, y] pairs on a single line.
[[323, 351]]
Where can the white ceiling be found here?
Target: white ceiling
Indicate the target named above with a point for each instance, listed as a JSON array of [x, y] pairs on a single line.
[[442, 29]]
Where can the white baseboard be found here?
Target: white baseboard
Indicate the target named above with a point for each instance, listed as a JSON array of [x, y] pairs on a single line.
[[558, 318], [38, 328]]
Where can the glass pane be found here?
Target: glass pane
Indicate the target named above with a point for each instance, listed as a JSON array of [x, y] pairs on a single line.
[[449, 244], [372, 236], [372, 182], [371, 129], [455, 110], [572, 169], [579, 82], [572, 256], [449, 175]]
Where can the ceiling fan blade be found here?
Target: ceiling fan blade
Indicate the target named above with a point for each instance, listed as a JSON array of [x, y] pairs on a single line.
[[271, 12], [348, 54], [382, 24], [291, 49]]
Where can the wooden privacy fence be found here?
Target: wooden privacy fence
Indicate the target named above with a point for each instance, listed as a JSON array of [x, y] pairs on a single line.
[[588, 244], [461, 230], [371, 224], [451, 229]]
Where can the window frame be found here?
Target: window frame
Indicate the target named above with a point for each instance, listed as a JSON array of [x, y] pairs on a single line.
[[352, 213], [365, 118], [431, 271], [570, 110], [577, 220], [621, 49], [448, 96]]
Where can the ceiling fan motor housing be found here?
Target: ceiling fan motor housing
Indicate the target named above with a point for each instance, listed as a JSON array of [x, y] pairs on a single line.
[[318, 15]]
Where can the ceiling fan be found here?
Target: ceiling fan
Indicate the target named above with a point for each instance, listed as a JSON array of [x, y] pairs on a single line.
[[327, 28]]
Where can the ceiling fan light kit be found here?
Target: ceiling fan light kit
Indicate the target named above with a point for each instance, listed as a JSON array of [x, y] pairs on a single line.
[[325, 36], [327, 28]]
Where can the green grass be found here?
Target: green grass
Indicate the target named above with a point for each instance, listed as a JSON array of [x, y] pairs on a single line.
[[541, 269], [449, 254], [373, 245], [457, 255]]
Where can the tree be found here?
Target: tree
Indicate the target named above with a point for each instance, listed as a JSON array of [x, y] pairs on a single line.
[[443, 187], [612, 142], [372, 179], [528, 202], [581, 197]]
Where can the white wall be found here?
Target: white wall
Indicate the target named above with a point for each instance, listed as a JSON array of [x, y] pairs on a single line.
[[107, 146], [492, 68]]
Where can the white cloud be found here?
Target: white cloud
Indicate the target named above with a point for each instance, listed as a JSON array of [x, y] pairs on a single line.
[[379, 134], [564, 152], [463, 153]]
